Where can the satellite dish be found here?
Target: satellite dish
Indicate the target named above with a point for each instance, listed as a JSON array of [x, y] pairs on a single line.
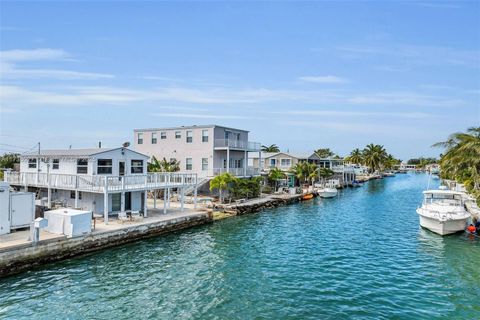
[[126, 144]]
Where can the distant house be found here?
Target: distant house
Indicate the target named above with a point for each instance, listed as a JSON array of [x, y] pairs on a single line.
[[104, 180]]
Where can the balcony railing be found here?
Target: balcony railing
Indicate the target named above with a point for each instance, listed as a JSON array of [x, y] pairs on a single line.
[[237, 144], [251, 171], [101, 184]]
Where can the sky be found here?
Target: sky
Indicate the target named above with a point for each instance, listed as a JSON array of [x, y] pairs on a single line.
[[302, 75]]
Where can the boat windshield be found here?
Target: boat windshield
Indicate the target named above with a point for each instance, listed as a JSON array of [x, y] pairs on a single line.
[[441, 198]]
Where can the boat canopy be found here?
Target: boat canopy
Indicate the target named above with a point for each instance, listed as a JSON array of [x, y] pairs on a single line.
[[444, 192]]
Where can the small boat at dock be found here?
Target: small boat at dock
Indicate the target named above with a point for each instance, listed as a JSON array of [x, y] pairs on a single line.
[[307, 196]]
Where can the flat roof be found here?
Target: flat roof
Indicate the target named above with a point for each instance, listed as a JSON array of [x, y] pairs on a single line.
[[76, 152], [189, 127]]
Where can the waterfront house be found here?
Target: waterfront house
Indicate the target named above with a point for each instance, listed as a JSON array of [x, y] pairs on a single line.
[[206, 150], [102, 180]]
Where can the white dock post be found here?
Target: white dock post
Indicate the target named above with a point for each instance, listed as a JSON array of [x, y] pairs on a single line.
[[245, 159], [165, 200], [195, 195], [145, 204], [76, 198], [105, 202], [155, 199], [122, 201], [49, 193], [168, 198], [182, 200]]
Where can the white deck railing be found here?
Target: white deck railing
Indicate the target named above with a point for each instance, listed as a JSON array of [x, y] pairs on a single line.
[[251, 171], [97, 183], [237, 144]]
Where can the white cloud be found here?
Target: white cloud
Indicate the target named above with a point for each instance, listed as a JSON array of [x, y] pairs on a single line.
[[9, 60], [323, 79], [33, 54], [405, 99], [330, 113]]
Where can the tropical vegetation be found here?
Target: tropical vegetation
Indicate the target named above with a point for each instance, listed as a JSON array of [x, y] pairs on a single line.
[[8, 161], [324, 153], [374, 156], [236, 187], [422, 162], [461, 159], [274, 175], [270, 148], [163, 166], [305, 172]]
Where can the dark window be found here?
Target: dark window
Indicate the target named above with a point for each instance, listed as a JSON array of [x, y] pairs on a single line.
[[140, 138], [72, 195], [32, 163], [163, 135], [189, 136], [154, 137], [204, 135], [137, 166], [82, 166], [55, 164], [104, 166], [188, 164], [178, 134]]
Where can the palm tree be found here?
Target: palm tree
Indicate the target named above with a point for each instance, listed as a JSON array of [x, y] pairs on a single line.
[[221, 183], [305, 171], [276, 174], [271, 148], [389, 162], [374, 155], [324, 153], [163, 165], [325, 173], [355, 157], [461, 161]]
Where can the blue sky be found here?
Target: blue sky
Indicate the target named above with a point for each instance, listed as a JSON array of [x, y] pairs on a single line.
[[302, 75]]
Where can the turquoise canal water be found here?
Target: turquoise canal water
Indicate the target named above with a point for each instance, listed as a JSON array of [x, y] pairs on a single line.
[[359, 256]]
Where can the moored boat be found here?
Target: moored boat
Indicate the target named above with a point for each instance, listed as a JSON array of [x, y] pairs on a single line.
[[328, 192], [307, 196], [443, 212]]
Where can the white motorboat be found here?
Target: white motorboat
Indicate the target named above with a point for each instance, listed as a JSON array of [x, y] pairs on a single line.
[[327, 192], [443, 212]]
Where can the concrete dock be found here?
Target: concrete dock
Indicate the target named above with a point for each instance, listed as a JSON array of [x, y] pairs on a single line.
[[17, 253]]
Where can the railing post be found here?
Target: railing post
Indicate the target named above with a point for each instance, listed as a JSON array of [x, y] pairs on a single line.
[[105, 201]]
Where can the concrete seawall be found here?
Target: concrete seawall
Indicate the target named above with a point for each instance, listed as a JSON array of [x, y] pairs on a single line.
[[26, 256], [259, 204]]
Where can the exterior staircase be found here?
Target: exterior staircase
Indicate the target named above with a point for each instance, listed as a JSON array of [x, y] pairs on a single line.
[[200, 183]]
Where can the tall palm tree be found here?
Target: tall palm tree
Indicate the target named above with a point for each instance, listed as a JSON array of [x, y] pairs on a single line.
[[324, 153], [461, 161], [355, 157], [389, 162], [221, 183], [305, 172], [325, 173], [271, 148], [276, 174], [374, 155]]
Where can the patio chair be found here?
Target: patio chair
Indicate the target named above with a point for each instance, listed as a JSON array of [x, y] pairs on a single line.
[[136, 216], [122, 216]]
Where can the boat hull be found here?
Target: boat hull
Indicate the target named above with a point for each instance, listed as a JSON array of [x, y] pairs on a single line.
[[443, 227], [328, 193]]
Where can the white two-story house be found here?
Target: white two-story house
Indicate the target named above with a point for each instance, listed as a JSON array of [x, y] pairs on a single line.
[[100, 180], [207, 150]]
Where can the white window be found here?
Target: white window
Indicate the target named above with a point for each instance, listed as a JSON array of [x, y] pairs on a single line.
[[154, 137], [285, 162], [204, 164], [32, 163], [82, 166], [189, 136], [55, 164], [104, 166], [178, 135], [204, 135], [188, 164], [136, 166], [273, 162], [163, 135], [140, 138]]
